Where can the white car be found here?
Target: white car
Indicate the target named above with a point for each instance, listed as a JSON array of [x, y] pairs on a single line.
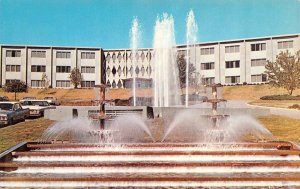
[[52, 100], [36, 107]]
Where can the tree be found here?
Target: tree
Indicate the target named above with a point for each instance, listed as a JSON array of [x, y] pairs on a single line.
[[75, 77], [285, 71], [16, 87], [45, 80], [181, 63]]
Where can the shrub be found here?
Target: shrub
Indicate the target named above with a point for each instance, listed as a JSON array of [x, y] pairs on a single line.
[[280, 97], [295, 106], [16, 86]]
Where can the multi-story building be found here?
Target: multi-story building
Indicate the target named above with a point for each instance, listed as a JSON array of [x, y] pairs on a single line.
[[29, 63], [225, 62]]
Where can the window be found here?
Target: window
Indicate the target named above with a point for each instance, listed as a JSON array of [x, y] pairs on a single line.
[[258, 47], [61, 54], [232, 79], [206, 51], [88, 84], [285, 44], [13, 53], [63, 83], [258, 62], [38, 68], [208, 66], [63, 69], [87, 55], [87, 69], [38, 54], [233, 64], [259, 78], [37, 83], [11, 81], [208, 80], [232, 49], [13, 68]]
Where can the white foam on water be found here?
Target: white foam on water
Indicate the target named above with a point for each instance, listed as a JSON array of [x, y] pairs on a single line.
[[158, 149], [154, 158], [61, 184], [162, 169]]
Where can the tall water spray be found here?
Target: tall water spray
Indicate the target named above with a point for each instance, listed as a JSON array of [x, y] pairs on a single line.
[[166, 85], [134, 44], [191, 38]]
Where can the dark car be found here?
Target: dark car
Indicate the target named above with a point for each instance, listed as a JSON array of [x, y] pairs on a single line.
[[3, 98], [12, 112]]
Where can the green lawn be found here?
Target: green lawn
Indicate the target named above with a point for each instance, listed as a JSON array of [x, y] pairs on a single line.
[[283, 128], [25, 131]]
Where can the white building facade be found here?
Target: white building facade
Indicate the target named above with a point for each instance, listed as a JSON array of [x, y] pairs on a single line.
[[30, 63], [226, 62]]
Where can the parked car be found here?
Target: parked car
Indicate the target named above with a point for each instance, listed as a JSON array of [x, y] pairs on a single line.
[[28, 98], [52, 100], [12, 112], [4, 98], [36, 107]]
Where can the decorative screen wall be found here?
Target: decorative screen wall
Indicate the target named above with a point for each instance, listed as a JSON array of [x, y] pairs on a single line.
[[120, 65]]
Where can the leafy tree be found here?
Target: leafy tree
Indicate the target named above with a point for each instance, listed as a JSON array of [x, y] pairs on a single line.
[[75, 77], [181, 62], [285, 71], [16, 87]]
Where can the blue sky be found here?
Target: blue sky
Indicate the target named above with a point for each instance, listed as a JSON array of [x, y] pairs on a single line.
[[106, 23]]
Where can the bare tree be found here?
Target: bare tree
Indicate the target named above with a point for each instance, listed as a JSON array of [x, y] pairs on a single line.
[[45, 81], [75, 77], [285, 71]]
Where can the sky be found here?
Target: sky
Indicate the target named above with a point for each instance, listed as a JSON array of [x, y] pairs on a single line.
[[106, 23]]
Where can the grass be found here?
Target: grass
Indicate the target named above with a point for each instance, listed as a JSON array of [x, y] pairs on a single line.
[[25, 131], [275, 103], [252, 92], [71, 97], [283, 128], [85, 96]]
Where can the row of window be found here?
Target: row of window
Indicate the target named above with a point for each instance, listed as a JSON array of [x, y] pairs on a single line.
[[208, 66], [236, 79], [233, 64], [13, 68], [87, 69], [42, 54], [38, 54], [206, 51], [59, 69], [87, 84], [38, 68], [37, 83], [254, 47], [87, 55], [258, 47], [232, 49], [63, 69]]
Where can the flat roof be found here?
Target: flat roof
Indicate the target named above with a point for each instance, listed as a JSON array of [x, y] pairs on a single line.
[[146, 49]]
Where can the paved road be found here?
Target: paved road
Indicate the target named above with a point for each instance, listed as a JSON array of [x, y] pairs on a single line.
[[244, 104], [292, 113]]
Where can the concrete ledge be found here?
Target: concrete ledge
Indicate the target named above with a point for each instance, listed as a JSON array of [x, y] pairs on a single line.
[[66, 112]]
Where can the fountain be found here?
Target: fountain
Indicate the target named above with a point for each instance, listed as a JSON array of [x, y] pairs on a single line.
[[191, 38], [134, 44], [166, 84]]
